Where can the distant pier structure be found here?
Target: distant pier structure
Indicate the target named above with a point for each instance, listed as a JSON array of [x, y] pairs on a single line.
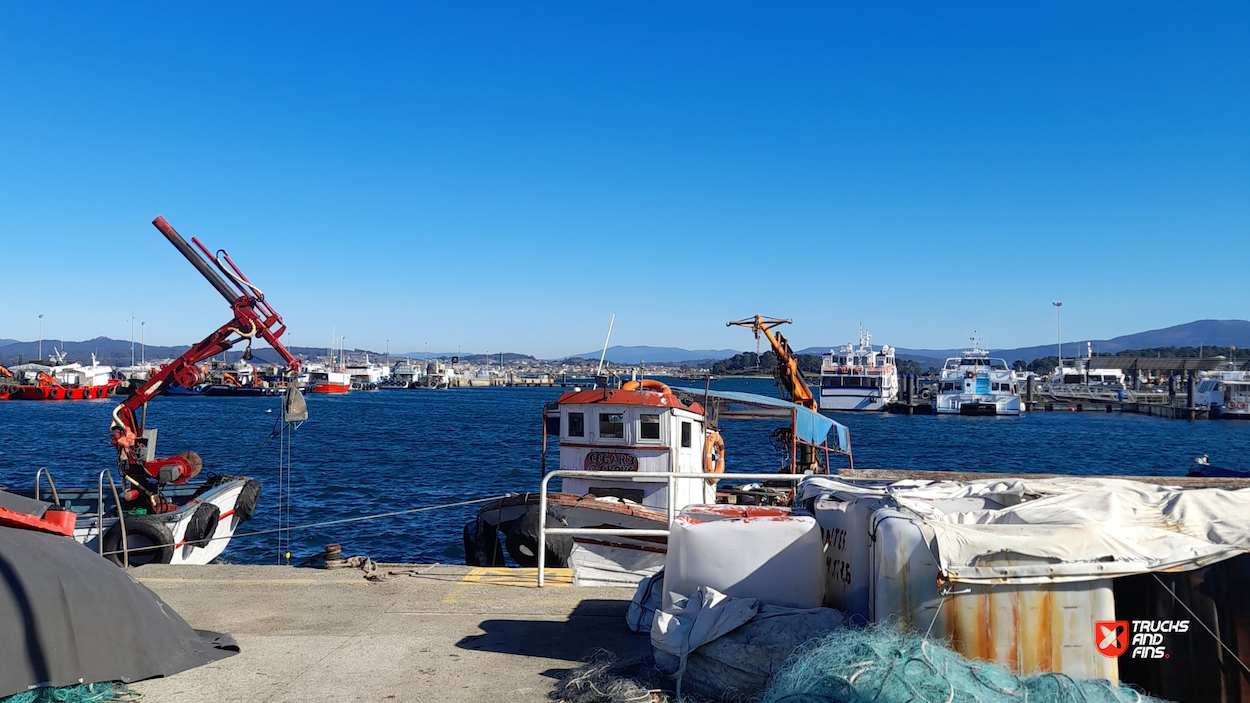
[[1169, 393]]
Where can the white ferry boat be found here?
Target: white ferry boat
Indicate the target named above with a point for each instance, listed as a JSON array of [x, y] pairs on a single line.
[[1226, 393], [975, 384], [366, 375], [858, 377]]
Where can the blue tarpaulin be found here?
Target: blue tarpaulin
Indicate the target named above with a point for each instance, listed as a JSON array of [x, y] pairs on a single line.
[[809, 426]]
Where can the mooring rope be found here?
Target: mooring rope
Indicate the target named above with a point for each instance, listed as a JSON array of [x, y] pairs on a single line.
[[327, 523]]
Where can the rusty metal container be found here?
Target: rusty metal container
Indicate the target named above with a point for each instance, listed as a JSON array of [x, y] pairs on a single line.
[[1026, 628]]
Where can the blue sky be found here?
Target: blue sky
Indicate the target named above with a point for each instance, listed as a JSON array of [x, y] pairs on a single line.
[[507, 176]]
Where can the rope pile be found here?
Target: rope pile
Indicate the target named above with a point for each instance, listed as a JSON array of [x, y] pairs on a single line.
[[82, 693]]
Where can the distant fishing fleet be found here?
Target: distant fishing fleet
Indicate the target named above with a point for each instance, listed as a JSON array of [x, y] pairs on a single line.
[[856, 377]]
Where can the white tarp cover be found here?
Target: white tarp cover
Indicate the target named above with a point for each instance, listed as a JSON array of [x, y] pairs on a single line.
[[703, 616], [1068, 529]]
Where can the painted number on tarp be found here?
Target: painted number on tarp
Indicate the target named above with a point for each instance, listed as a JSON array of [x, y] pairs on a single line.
[[611, 461]]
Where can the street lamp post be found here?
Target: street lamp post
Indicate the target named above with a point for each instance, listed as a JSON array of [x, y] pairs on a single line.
[[143, 347], [41, 338], [1058, 336], [132, 339]]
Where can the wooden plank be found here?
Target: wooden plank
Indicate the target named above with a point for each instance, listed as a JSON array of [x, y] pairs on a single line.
[[899, 475]]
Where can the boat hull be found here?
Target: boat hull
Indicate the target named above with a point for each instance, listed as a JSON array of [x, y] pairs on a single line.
[[867, 401], [595, 560], [63, 392], [234, 501], [331, 388], [976, 404]]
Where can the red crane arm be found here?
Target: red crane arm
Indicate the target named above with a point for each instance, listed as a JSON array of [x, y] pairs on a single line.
[[253, 317]]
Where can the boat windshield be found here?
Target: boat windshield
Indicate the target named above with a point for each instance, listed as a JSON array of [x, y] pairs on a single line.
[[996, 364]]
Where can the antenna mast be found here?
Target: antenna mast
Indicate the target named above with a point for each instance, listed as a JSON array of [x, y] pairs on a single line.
[[605, 345]]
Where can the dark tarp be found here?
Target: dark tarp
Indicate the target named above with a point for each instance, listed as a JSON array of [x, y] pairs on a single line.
[[22, 504], [69, 617]]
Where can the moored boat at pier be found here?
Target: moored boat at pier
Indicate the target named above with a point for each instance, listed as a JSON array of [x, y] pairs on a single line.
[[858, 377], [1226, 393], [643, 427], [976, 384]]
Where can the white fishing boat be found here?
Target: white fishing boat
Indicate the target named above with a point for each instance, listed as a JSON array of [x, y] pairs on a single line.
[[365, 375], [641, 427], [191, 524], [1085, 374], [975, 384], [858, 377], [1226, 393]]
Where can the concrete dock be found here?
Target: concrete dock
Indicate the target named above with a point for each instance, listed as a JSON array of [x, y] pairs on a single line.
[[419, 633]]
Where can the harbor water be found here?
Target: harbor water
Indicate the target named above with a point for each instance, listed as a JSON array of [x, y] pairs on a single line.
[[373, 452]]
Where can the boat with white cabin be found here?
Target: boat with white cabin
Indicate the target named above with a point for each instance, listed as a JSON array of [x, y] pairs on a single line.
[[1226, 393], [641, 427], [976, 384], [858, 377]]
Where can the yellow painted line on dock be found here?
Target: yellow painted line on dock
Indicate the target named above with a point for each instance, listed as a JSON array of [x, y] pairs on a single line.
[[504, 576]]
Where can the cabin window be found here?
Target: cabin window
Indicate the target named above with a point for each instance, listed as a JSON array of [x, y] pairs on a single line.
[[685, 434], [612, 425], [650, 426], [577, 425]]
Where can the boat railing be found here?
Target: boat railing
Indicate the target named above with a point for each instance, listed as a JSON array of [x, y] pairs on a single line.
[[668, 477], [121, 519], [44, 473]]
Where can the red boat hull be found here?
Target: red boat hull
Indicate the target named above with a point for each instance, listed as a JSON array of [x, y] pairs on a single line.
[[330, 388], [62, 392]]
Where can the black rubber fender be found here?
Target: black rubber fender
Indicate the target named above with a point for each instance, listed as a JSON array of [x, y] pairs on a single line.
[[203, 525], [245, 506], [522, 542], [149, 528], [481, 544]]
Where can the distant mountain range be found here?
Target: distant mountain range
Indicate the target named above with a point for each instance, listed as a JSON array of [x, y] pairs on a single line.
[[1221, 333], [657, 355]]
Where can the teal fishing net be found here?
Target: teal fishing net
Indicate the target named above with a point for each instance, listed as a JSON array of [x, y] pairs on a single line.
[[82, 693], [877, 664]]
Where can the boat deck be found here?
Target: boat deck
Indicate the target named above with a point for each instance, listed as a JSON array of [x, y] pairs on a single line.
[[446, 633]]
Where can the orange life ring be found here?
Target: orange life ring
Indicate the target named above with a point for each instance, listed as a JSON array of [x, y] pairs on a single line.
[[713, 455], [844, 369], [970, 374], [648, 384], [859, 369]]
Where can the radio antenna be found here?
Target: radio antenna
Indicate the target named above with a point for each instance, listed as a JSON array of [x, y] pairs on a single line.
[[605, 346]]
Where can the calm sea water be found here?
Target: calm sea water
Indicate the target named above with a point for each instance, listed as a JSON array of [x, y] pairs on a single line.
[[371, 452]]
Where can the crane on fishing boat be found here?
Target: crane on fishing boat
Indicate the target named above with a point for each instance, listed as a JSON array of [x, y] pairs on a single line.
[[252, 317], [789, 376]]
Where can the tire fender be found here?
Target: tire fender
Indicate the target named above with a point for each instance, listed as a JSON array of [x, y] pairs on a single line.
[[148, 526]]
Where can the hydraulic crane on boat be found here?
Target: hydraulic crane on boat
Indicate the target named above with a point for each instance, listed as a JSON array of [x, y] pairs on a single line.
[[253, 317], [787, 371], [790, 380]]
